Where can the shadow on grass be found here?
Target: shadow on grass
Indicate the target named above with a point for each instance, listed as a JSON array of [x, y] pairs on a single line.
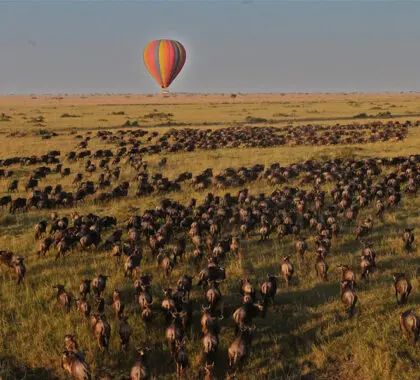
[[11, 369]]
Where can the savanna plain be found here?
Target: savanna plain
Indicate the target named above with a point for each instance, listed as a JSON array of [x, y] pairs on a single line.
[[326, 172]]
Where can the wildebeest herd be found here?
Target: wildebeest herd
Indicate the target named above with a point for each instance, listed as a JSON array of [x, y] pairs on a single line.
[[205, 235]]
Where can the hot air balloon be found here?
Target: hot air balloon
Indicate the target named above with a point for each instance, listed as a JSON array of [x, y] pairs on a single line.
[[164, 59]]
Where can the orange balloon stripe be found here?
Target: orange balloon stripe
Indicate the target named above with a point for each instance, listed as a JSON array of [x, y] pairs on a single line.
[[166, 62], [149, 60], [171, 60]]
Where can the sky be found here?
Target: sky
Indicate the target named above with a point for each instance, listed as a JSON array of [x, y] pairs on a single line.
[[232, 46]]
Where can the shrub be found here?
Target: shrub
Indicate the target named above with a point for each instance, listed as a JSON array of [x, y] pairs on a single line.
[[41, 132], [384, 114], [158, 115], [69, 115], [255, 120], [361, 115], [39, 119], [129, 123], [4, 117]]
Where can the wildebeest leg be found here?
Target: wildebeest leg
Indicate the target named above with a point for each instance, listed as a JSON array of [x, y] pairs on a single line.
[[396, 296], [236, 329], [414, 336], [231, 361]]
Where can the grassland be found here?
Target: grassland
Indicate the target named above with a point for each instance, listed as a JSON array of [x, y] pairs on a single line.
[[305, 335]]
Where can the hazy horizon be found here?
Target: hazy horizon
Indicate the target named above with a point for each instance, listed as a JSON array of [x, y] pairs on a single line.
[[241, 47]]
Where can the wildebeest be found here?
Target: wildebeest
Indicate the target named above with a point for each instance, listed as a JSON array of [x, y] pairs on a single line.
[[174, 333], [83, 307], [99, 284], [144, 296], [181, 357], [102, 331], [13, 186], [20, 269], [17, 204], [117, 305], [208, 322], [75, 365], [321, 267], [366, 267], [179, 249], [4, 201], [246, 288], [31, 184], [239, 349], [91, 238], [125, 332], [246, 313], [100, 304], [165, 263], [8, 258], [133, 262], [213, 296], [301, 247], [168, 303], [268, 289], [347, 274], [140, 371], [209, 371], [410, 325], [63, 298], [402, 288], [185, 284], [211, 273], [40, 229], [348, 296], [408, 239], [70, 343], [210, 343], [84, 288], [287, 270]]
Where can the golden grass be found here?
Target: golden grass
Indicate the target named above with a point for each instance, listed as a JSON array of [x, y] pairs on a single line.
[[305, 335]]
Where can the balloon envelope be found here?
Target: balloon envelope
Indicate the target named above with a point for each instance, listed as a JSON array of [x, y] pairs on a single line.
[[164, 59]]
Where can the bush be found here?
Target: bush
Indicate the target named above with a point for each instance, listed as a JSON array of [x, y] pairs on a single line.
[[158, 115], [361, 115], [41, 132], [69, 115], [255, 120], [384, 114], [129, 123], [39, 119], [4, 117]]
